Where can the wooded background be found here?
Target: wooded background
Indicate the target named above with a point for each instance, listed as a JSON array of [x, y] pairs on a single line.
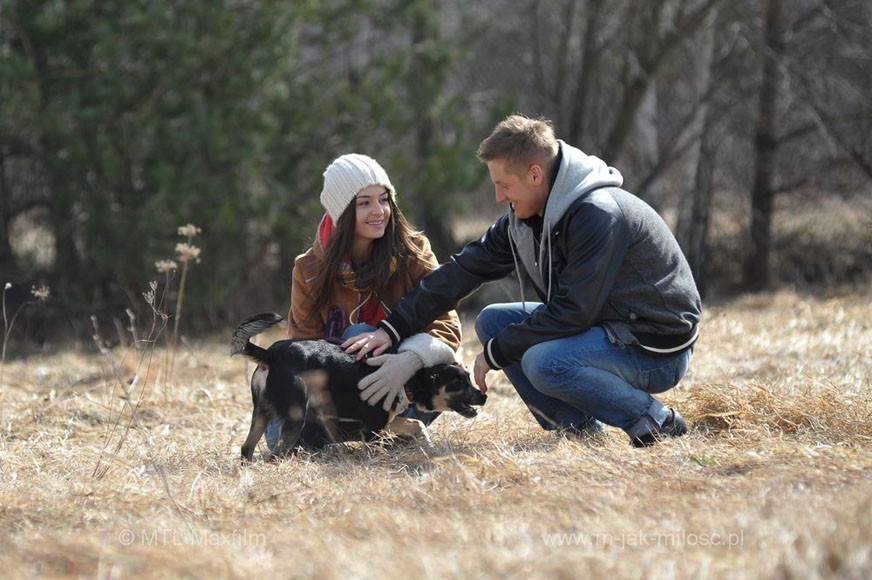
[[122, 120]]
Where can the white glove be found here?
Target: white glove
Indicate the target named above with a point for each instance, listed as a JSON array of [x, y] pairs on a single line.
[[390, 379]]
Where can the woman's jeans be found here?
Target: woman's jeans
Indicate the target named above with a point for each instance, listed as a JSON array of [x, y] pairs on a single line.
[[571, 383], [273, 430]]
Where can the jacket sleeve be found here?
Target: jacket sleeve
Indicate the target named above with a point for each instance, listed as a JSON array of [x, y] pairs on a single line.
[[597, 241], [446, 327], [303, 321], [488, 258]]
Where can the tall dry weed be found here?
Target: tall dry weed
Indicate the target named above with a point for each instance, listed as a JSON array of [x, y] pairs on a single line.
[[40, 294], [186, 253]]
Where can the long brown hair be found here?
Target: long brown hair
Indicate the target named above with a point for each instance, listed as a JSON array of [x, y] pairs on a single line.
[[397, 242]]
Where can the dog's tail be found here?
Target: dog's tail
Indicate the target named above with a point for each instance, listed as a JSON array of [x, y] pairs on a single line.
[[240, 342]]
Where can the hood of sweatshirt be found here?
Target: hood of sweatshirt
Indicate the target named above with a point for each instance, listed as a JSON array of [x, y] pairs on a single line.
[[577, 175]]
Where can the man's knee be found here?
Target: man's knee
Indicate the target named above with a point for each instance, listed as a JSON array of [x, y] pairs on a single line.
[[484, 323], [495, 317], [538, 365]]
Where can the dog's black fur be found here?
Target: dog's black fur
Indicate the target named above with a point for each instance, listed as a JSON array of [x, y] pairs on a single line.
[[311, 387]]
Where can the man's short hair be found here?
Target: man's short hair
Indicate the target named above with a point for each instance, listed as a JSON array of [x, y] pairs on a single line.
[[521, 142]]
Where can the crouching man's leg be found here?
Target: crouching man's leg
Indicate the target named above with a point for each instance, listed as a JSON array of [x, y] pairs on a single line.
[[609, 381], [551, 413]]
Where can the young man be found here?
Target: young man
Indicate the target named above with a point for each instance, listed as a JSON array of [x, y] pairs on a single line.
[[619, 307]]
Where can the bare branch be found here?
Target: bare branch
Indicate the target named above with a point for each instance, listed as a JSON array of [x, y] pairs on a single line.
[[797, 133], [650, 56], [824, 121], [812, 127], [674, 150], [791, 185], [652, 60], [804, 20]]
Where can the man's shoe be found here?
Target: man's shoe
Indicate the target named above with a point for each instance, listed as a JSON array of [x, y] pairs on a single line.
[[673, 426], [593, 429]]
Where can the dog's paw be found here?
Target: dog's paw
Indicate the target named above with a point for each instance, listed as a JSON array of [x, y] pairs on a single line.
[[425, 442]]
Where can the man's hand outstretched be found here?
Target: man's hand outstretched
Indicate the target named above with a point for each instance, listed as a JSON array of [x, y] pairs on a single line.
[[480, 369]]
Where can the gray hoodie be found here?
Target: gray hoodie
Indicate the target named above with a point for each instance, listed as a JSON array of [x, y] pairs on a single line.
[[578, 174]]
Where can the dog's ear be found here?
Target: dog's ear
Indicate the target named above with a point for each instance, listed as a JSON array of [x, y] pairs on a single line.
[[440, 373], [454, 370], [428, 375]]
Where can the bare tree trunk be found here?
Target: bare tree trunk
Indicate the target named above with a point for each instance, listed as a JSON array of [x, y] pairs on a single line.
[[6, 260], [634, 92], [581, 102], [67, 260], [438, 228], [641, 62], [758, 275], [702, 64], [696, 244], [648, 142], [699, 162]]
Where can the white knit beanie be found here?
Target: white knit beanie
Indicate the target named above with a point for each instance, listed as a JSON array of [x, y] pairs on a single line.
[[346, 176]]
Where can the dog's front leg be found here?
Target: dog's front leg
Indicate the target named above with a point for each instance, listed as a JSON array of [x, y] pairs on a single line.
[[410, 429]]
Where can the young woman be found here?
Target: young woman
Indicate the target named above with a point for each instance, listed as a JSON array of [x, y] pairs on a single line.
[[365, 258]]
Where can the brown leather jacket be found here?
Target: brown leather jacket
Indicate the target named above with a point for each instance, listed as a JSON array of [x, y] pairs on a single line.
[[302, 325]]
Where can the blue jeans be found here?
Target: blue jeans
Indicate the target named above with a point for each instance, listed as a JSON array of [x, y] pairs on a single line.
[[273, 430], [574, 382]]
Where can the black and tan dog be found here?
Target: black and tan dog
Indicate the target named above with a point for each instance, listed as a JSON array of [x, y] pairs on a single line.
[[310, 386]]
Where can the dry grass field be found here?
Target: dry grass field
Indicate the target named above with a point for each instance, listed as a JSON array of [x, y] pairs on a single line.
[[774, 479]]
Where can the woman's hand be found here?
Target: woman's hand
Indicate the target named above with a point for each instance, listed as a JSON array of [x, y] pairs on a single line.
[[375, 342]]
